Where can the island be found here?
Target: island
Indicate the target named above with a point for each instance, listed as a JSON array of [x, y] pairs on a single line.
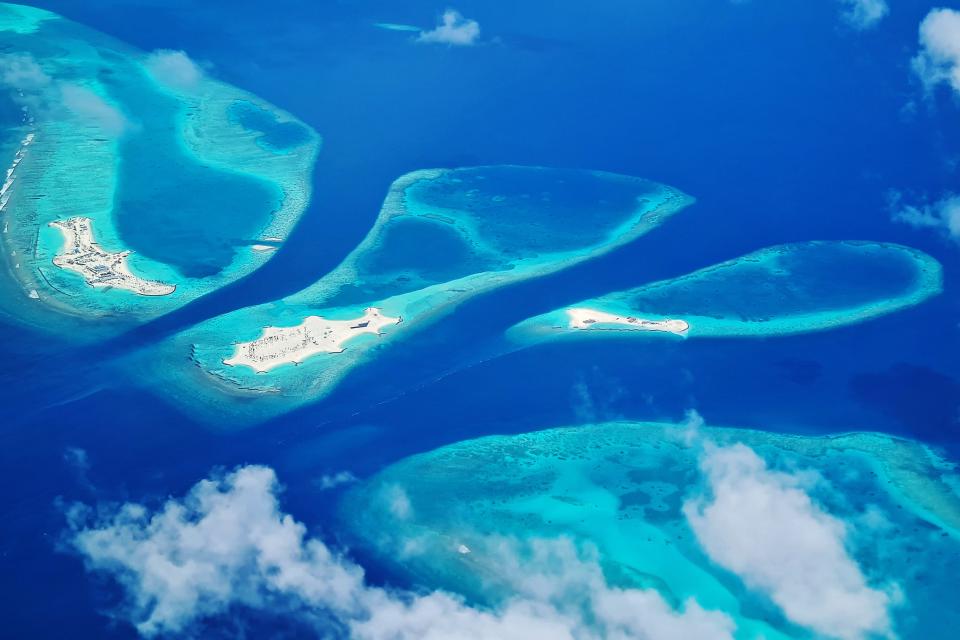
[[592, 319], [443, 236], [100, 268], [123, 140], [781, 290], [292, 345], [625, 490]]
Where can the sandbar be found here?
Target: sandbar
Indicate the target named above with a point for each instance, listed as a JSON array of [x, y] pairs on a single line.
[[588, 319]]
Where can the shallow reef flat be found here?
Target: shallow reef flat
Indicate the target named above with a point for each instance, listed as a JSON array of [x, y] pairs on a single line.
[[441, 237], [781, 290], [148, 150], [627, 487], [20, 18]]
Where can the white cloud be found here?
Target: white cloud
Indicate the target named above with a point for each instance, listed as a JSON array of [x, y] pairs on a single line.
[[174, 69], [22, 73], [691, 427], [333, 480], [399, 503], [942, 215], [28, 84], [89, 106], [38, 93], [763, 526], [78, 461], [225, 543], [859, 14], [939, 58], [562, 595], [584, 408], [453, 29], [594, 397], [228, 543], [864, 14], [77, 458]]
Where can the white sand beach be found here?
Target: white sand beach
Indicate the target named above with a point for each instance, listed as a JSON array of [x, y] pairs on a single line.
[[100, 268], [12, 170], [583, 318], [281, 345]]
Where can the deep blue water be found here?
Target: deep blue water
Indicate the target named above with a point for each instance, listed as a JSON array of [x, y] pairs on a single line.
[[785, 125], [548, 209], [216, 210], [403, 247]]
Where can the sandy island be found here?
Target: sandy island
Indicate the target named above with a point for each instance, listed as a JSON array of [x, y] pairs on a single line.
[[100, 268], [583, 318], [281, 345]]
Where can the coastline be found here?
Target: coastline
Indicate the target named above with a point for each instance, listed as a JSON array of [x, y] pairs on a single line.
[[278, 346], [548, 326], [586, 319], [100, 269], [67, 147], [315, 377]]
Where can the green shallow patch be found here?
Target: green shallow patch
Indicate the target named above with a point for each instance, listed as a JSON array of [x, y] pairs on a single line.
[[442, 237], [787, 289], [156, 163], [621, 487]]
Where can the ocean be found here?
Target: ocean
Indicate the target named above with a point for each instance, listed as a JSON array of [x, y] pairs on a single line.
[[785, 126]]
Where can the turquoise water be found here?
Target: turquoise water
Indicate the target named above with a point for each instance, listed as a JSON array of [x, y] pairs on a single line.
[[621, 487], [795, 288], [22, 19], [161, 171], [522, 210], [790, 280], [442, 237], [277, 136], [614, 85], [170, 206], [430, 249]]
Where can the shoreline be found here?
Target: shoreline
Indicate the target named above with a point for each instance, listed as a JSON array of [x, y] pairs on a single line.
[[70, 162], [11, 176], [81, 254], [214, 352], [586, 319], [277, 346]]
